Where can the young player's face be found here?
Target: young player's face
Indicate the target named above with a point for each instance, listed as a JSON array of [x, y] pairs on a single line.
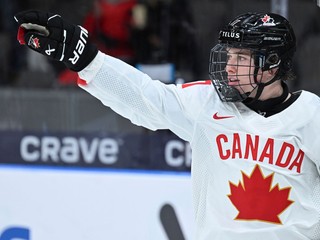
[[240, 69]]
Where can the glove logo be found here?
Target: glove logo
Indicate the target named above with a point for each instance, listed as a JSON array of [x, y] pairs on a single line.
[[49, 50], [34, 42], [80, 46]]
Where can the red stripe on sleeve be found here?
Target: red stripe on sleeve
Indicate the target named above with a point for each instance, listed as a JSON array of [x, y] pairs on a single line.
[[81, 82], [206, 82]]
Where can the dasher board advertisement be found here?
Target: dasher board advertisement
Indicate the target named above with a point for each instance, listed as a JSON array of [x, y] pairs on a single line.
[[49, 203]]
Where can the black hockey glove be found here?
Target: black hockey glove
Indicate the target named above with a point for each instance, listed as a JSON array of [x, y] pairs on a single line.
[[55, 38]]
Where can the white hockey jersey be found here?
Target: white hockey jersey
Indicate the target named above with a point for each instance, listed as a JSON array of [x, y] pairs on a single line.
[[253, 177]]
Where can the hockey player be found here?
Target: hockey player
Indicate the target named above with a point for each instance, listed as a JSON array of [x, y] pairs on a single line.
[[255, 144]]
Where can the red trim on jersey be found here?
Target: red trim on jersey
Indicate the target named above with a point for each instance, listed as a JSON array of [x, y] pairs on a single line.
[[81, 81], [206, 82]]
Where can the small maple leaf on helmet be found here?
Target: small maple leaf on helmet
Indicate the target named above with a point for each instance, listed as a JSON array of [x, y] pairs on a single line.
[[256, 200]]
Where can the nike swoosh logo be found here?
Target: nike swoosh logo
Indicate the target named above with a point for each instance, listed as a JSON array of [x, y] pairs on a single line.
[[216, 117]]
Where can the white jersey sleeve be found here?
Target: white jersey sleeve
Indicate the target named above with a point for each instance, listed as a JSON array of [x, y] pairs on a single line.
[[311, 130], [145, 102]]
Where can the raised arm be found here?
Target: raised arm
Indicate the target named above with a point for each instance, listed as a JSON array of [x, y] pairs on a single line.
[[123, 88]]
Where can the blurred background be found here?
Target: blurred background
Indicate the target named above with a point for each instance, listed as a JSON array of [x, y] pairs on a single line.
[[70, 168], [147, 32]]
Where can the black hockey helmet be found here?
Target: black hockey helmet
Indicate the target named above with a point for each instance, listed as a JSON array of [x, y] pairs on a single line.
[[269, 37]]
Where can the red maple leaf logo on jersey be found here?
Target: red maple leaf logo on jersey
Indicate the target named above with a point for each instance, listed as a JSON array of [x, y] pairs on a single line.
[[255, 199]]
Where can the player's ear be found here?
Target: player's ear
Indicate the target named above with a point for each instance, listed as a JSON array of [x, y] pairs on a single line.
[[269, 74], [273, 71]]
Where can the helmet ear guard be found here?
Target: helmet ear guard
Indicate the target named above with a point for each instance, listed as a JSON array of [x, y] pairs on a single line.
[[272, 60]]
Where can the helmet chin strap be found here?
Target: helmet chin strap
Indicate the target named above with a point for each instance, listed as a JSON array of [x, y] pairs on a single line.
[[260, 87], [266, 105]]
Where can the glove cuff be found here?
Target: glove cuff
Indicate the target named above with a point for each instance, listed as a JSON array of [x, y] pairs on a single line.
[[82, 52], [85, 59]]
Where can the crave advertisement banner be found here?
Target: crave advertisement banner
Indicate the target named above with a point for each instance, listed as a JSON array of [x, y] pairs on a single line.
[[150, 151], [90, 186]]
